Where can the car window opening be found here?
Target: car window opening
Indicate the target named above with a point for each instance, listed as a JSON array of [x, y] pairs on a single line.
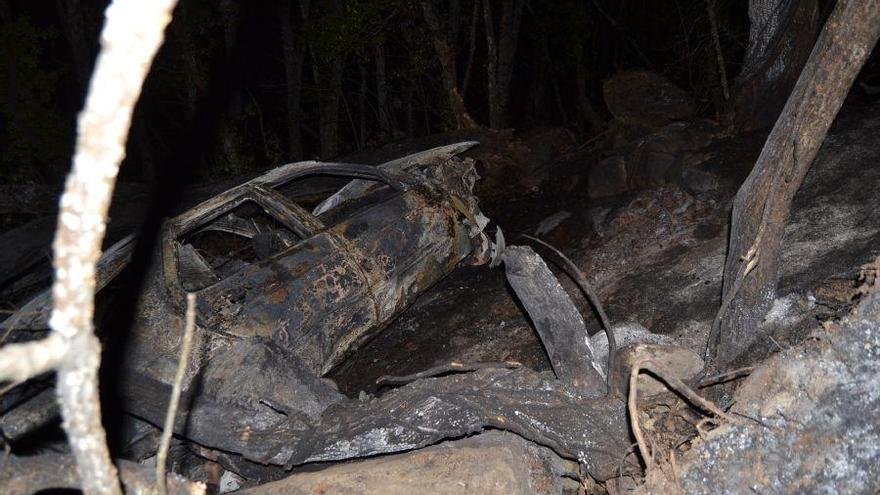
[[312, 190], [226, 245]]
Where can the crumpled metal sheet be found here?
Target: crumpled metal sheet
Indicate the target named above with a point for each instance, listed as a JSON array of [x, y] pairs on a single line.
[[589, 428], [556, 318]]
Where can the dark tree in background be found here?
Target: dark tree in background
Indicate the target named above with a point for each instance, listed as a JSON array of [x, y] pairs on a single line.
[[448, 59], [292, 18], [501, 43]]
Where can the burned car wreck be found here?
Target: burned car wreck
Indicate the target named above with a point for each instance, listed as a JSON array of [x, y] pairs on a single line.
[[283, 295], [310, 286]]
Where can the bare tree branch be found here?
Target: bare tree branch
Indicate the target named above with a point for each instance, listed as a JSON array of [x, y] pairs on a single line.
[[132, 34]]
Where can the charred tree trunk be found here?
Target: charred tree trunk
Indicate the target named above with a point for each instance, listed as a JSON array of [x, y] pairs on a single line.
[[446, 55], [294, 49], [472, 47], [382, 95], [540, 72], [762, 204], [716, 43], [781, 35], [328, 77], [327, 71], [501, 56], [232, 154]]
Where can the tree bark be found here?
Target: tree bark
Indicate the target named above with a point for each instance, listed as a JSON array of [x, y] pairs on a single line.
[[762, 204], [294, 49], [501, 48], [781, 35], [446, 55]]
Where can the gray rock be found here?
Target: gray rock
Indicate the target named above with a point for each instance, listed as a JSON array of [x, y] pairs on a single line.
[[646, 98], [815, 421], [491, 463]]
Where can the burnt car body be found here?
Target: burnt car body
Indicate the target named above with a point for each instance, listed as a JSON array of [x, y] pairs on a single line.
[[284, 295], [317, 286]]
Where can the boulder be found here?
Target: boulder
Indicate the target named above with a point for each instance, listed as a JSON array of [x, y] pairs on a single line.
[[667, 156], [491, 463], [646, 99]]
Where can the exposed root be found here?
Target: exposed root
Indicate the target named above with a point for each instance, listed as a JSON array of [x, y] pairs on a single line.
[[679, 387], [632, 406]]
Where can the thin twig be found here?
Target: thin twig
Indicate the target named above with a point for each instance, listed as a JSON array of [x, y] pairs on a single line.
[[21, 361], [726, 376], [452, 367], [131, 36], [679, 386], [129, 40], [700, 382], [186, 349]]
